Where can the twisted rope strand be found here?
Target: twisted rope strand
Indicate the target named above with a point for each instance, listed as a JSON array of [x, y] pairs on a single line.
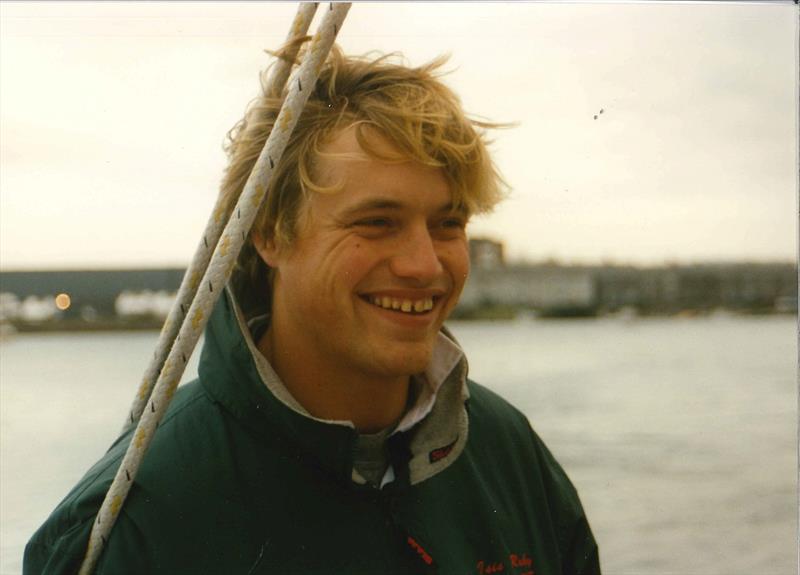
[[282, 68], [214, 279], [208, 241]]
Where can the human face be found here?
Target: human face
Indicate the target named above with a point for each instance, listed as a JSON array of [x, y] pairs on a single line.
[[387, 238]]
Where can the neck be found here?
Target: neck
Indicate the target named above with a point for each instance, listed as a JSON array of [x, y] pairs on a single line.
[[328, 390]]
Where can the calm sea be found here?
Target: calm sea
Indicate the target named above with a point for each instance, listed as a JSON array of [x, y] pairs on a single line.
[[679, 434]]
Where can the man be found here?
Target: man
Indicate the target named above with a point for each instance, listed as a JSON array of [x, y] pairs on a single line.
[[332, 428]]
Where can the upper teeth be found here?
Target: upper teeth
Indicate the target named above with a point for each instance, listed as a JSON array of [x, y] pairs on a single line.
[[405, 305]]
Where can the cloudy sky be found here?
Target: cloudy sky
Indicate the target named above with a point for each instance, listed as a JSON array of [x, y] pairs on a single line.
[[112, 117]]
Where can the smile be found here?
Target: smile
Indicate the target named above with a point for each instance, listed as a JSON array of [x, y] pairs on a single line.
[[408, 306]]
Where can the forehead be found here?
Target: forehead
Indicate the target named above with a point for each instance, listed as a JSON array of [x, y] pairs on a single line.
[[355, 174], [341, 154]]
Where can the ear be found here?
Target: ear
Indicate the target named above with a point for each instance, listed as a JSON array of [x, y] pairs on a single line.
[[266, 249]]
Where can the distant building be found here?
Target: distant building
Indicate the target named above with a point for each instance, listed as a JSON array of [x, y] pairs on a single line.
[[485, 254], [759, 287], [85, 295], [548, 289], [553, 289], [141, 298]]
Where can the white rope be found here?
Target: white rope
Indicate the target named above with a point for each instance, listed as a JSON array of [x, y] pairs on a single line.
[[211, 234], [216, 276], [281, 69]]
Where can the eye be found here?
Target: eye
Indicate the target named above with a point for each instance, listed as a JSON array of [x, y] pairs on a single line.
[[375, 222], [454, 223], [375, 226]]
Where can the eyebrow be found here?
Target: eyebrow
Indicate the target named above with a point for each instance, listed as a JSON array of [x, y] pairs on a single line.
[[390, 204]]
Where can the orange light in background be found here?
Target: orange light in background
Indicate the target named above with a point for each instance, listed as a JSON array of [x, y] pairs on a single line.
[[63, 301]]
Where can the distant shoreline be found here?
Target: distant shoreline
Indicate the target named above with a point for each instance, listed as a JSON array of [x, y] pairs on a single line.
[[489, 314], [77, 325]]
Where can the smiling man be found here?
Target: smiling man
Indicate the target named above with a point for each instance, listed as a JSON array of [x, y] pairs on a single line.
[[333, 428], [363, 290]]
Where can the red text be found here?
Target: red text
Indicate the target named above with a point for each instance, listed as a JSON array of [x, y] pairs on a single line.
[[489, 568]]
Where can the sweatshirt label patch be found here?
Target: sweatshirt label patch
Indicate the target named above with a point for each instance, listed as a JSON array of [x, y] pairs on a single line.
[[441, 452]]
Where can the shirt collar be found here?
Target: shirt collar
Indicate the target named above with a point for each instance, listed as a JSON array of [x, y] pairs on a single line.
[[445, 357]]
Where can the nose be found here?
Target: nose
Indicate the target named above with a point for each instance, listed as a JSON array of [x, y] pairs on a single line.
[[416, 256]]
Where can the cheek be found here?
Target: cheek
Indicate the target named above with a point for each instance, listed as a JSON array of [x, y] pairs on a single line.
[[456, 259], [358, 263], [345, 267]]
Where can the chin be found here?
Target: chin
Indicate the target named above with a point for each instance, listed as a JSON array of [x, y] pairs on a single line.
[[409, 360]]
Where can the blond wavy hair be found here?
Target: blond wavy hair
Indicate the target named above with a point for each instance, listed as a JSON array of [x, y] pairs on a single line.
[[410, 107]]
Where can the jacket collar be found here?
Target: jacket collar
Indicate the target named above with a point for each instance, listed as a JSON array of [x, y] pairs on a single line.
[[431, 435]]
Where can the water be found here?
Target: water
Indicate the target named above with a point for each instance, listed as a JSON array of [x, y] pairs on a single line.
[[679, 434]]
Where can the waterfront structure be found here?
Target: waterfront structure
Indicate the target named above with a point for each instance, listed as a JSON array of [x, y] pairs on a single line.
[[86, 298], [546, 289], [140, 298]]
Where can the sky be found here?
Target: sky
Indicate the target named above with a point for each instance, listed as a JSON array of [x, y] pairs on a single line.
[[113, 115]]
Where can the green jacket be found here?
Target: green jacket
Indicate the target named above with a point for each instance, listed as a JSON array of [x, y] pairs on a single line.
[[237, 482]]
